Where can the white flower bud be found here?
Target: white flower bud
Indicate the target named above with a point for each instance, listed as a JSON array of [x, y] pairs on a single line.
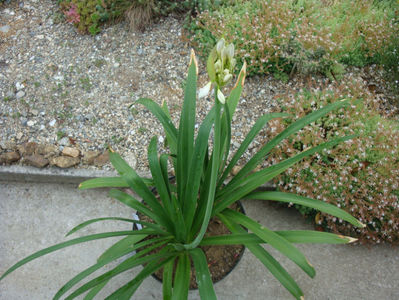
[[218, 66], [203, 92], [230, 51], [220, 46], [227, 78], [221, 97]]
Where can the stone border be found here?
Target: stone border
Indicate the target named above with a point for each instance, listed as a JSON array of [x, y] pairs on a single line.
[[49, 175]]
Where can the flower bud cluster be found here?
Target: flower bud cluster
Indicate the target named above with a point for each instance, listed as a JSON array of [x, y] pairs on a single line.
[[224, 62]]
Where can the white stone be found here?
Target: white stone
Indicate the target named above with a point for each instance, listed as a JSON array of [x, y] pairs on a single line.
[[20, 94], [52, 122], [19, 86], [31, 123]]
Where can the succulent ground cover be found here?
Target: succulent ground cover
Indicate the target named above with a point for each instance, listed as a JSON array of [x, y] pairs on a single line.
[[361, 176]]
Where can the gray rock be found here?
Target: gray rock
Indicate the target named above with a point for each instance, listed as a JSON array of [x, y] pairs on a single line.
[[36, 160], [19, 86], [5, 28], [101, 160], [69, 151], [20, 94], [64, 161], [27, 149], [9, 157], [64, 141], [89, 156], [34, 112], [30, 123]]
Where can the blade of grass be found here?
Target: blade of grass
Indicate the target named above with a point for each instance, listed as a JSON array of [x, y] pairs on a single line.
[[94, 291], [86, 223]]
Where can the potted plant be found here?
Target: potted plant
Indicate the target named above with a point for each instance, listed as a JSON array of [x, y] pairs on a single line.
[[182, 212]]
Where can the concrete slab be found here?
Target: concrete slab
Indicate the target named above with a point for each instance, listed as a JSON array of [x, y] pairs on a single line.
[[37, 215]]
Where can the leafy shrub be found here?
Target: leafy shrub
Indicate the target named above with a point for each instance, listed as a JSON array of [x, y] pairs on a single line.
[[361, 175], [299, 36], [88, 15]]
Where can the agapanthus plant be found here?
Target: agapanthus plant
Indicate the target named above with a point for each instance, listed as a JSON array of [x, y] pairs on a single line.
[[202, 189]]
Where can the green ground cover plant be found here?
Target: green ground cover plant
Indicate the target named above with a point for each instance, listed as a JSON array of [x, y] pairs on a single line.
[[305, 36], [361, 176]]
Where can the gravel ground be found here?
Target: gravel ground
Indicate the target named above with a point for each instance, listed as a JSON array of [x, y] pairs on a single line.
[[61, 88]]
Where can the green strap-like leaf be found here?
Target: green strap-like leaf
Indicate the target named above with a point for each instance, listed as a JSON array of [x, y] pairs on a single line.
[[204, 280], [260, 123], [122, 267], [209, 198], [160, 181], [247, 185], [181, 281], [103, 182], [267, 260], [170, 129], [273, 239], [294, 127], [167, 281], [304, 201], [94, 291], [116, 251], [86, 223], [138, 185], [185, 139], [73, 242], [293, 236], [196, 167]]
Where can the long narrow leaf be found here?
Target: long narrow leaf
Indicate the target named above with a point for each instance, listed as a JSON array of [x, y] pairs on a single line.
[[86, 223], [167, 280], [170, 129], [122, 267], [181, 281], [204, 280], [103, 182], [259, 124], [304, 201], [111, 254], [294, 127], [196, 167], [293, 236], [267, 260], [94, 291], [138, 185], [210, 195], [273, 239], [73, 242], [185, 139], [238, 190]]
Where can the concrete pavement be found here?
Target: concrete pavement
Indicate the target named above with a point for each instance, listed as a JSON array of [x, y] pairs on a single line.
[[34, 215]]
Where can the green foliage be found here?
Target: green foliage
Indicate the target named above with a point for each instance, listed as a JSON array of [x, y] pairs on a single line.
[[307, 37], [89, 15], [361, 176]]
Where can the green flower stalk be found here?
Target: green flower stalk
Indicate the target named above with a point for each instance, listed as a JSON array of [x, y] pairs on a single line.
[[181, 213]]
